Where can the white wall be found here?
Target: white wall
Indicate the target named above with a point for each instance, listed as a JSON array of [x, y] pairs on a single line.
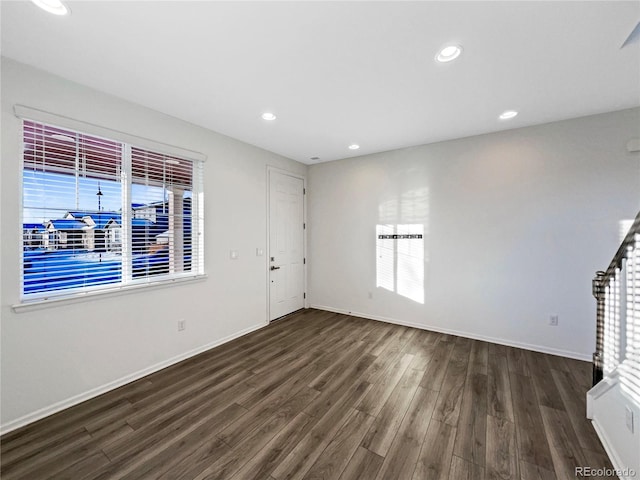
[[64, 353], [516, 223]]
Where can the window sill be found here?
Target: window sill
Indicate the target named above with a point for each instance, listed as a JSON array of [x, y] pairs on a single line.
[[42, 303]]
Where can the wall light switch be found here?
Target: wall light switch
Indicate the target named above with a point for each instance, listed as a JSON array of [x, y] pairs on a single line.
[[259, 252], [233, 254]]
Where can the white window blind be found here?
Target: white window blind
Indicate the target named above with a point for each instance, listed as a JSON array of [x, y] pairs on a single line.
[[102, 214], [612, 323], [161, 196], [630, 369]]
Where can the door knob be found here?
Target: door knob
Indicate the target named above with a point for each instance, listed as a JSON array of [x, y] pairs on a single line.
[[275, 268]]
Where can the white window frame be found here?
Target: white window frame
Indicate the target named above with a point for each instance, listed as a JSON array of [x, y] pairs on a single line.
[[126, 285]]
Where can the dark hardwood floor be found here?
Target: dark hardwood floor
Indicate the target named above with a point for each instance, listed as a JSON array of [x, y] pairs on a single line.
[[322, 395]]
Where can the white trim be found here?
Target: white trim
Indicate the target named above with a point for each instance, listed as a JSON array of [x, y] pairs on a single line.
[[599, 390], [28, 113], [86, 295], [304, 240], [611, 452], [94, 392], [432, 328]]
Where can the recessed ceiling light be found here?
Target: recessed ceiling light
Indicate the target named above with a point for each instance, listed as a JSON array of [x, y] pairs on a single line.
[[268, 116], [508, 114], [448, 53], [354, 146], [53, 6]]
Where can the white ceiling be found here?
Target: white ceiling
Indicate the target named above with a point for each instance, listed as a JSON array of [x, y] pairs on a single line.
[[337, 73]]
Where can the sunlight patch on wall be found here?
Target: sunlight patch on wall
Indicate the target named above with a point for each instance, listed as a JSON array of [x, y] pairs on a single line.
[[400, 260]]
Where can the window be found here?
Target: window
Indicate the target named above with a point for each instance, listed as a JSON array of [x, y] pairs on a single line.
[[630, 374], [400, 260], [102, 214]]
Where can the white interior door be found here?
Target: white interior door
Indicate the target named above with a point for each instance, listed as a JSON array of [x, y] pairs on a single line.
[[286, 244]]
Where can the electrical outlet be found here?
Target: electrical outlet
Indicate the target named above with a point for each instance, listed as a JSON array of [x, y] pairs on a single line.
[[182, 324], [553, 320], [629, 418]]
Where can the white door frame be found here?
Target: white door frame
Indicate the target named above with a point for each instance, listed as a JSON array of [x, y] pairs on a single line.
[[267, 263]]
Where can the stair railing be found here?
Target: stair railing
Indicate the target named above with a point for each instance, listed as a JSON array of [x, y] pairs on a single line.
[[617, 292]]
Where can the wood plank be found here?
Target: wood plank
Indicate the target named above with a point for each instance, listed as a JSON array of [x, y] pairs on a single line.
[[342, 361], [88, 464], [471, 434], [581, 371], [111, 434], [351, 376], [424, 351], [529, 471], [463, 470], [386, 424], [52, 429], [574, 399], [228, 464], [380, 392], [597, 459], [184, 398], [502, 455], [434, 461], [565, 447], [532, 440], [389, 338], [499, 400], [362, 465], [141, 454], [33, 462], [416, 343], [16, 448], [497, 350], [235, 433], [434, 374], [401, 458], [479, 357], [450, 398], [175, 421], [267, 459], [517, 361], [376, 331], [170, 462], [543, 382], [302, 457], [334, 459]]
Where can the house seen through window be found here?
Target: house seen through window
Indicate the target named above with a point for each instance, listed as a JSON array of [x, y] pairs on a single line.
[[98, 213]]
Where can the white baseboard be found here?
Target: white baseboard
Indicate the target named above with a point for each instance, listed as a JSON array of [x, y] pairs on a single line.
[[458, 333], [94, 392], [613, 455]]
